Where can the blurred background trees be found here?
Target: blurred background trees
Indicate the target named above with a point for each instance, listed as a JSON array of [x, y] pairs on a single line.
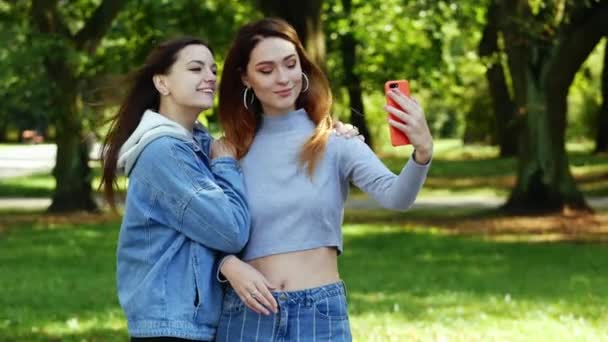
[[524, 75]]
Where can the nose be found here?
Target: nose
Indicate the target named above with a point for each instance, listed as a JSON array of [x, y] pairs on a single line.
[[209, 76], [282, 76]]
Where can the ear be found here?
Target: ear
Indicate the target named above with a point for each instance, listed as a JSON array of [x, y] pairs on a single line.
[[160, 83], [245, 80]]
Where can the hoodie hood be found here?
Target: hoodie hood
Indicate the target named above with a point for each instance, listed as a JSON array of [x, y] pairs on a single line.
[[151, 127]]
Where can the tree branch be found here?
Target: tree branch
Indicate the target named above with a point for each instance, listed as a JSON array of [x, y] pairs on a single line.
[[576, 43], [96, 27]]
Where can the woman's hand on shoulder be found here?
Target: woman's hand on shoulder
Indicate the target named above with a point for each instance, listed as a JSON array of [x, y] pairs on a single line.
[[222, 148], [250, 285], [347, 130]]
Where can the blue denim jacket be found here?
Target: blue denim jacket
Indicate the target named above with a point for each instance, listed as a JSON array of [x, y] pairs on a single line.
[[182, 210]]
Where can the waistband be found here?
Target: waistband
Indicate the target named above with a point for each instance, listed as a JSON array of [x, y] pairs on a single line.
[[306, 296]]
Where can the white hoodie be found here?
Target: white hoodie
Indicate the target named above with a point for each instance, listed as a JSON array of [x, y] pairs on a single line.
[[152, 126]]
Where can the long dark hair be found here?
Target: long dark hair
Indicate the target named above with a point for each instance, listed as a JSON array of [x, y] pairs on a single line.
[[240, 124], [142, 95]]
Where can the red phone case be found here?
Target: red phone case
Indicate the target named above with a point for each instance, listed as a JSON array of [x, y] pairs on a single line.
[[398, 138]]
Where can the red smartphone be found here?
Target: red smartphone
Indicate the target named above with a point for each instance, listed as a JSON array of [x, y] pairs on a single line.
[[398, 138]]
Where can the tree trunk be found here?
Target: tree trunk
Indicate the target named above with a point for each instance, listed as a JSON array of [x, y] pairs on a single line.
[[542, 73], [305, 17], [601, 140], [72, 173], [502, 103], [544, 181], [3, 129], [351, 79]]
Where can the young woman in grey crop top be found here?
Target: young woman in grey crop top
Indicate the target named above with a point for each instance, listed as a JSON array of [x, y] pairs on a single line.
[[274, 107]]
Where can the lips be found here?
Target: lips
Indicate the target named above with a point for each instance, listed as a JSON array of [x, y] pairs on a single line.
[[207, 90], [284, 92]]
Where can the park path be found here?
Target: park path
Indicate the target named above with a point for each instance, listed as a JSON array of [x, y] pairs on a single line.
[[22, 161]]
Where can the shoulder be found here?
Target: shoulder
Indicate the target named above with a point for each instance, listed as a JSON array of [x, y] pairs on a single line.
[[340, 145], [165, 147]]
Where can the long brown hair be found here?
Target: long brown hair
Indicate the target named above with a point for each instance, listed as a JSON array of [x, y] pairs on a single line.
[[240, 124], [142, 95]]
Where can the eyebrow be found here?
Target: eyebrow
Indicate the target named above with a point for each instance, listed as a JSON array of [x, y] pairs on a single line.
[[201, 62], [271, 62]]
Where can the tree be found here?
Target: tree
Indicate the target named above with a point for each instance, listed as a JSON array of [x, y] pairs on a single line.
[[65, 47], [305, 17], [502, 103], [546, 45], [601, 140], [352, 82]]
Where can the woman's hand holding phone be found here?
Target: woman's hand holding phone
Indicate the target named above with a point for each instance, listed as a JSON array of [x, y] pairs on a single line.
[[406, 117]]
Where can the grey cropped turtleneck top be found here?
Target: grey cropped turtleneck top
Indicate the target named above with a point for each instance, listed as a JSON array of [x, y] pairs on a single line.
[[291, 211]]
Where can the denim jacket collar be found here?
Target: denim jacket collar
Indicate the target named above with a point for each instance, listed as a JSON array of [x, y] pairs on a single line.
[[152, 126]]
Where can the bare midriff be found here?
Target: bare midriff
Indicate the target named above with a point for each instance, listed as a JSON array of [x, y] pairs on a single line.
[[299, 270]]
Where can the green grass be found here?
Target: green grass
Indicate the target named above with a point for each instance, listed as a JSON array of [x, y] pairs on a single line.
[[42, 184], [406, 281], [413, 284], [58, 283], [31, 186]]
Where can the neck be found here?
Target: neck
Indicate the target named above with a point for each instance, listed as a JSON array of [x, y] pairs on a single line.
[[295, 120], [185, 116], [269, 111]]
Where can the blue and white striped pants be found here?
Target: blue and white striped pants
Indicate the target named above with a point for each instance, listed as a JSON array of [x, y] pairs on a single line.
[[317, 314]]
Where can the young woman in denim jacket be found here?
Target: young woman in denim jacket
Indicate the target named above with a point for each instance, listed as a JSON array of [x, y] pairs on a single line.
[[274, 107], [185, 200]]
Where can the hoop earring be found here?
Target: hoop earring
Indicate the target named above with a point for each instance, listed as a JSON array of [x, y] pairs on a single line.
[[307, 83], [245, 98]]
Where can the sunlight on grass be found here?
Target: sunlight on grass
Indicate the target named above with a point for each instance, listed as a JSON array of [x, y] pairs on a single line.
[[429, 286], [103, 326], [414, 276]]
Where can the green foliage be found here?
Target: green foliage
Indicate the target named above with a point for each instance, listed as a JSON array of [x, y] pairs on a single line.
[[585, 97], [430, 43], [23, 95], [27, 92]]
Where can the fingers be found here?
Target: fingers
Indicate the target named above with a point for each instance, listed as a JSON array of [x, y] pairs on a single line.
[[352, 131], [401, 115], [259, 298], [338, 125], [405, 102], [264, 296], [400, 126], [268, 295], [251, 300]]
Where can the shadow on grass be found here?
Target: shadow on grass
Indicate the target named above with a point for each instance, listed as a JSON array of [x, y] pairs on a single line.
[[493, 223], [421, 275]]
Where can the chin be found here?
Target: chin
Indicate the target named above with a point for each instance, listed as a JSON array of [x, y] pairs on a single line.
[[203, 105]]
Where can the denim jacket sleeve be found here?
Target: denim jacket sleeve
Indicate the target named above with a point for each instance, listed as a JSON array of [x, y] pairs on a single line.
[[207, 205], [358, 163]]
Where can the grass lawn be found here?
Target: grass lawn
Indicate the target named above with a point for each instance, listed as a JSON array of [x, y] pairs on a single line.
[[411, 277]]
